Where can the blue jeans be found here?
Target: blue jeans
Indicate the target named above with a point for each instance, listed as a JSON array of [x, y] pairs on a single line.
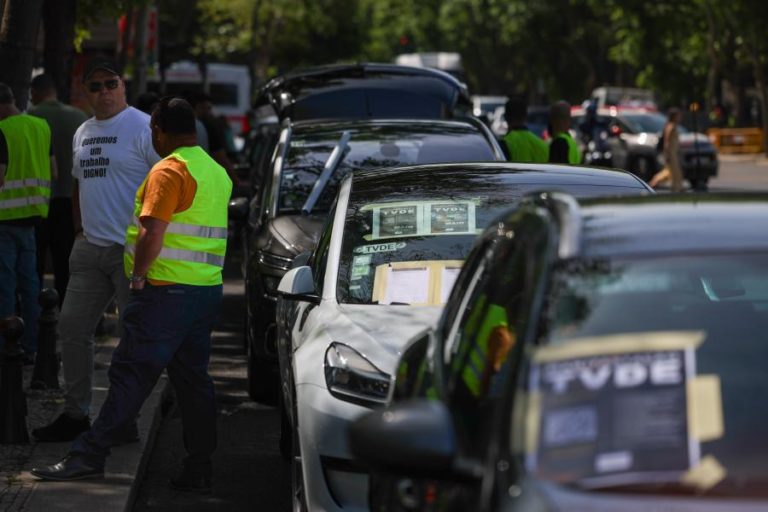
[[165, 327], [18, 271]]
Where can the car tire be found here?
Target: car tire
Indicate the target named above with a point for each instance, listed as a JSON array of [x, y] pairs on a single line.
[[642, 167], [262, 381], [700, 185]]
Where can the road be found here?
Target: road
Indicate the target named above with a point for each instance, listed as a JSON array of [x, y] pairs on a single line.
[[249, 473], [741, 172]]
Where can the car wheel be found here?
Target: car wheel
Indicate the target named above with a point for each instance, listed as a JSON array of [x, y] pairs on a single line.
[[297, 476], [262, 381], [642, 167], [700, 185]]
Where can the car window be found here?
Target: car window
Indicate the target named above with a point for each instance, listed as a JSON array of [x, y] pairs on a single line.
[[648, 368], [372, 147]]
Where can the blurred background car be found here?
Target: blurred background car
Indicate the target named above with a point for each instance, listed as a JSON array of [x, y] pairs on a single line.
[[385, 263], [632, 138], [619, 368]]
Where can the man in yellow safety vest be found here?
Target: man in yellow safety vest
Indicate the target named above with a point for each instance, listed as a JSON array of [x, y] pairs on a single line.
[[174, 254]]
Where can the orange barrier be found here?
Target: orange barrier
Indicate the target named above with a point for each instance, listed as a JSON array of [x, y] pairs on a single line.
[[737, 140]]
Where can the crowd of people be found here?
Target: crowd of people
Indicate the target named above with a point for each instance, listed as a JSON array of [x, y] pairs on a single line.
[[132, 206]]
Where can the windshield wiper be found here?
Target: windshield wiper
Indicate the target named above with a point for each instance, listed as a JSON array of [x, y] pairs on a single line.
[[337, 155]]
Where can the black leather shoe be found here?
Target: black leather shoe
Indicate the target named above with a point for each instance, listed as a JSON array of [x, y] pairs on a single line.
[[64, 428], [189, 481], [71, 467]]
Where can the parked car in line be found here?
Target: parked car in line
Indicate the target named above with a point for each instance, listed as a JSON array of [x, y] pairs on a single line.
[[484, 106], [309, 161], [384, 265], [632, 137], [619, 367]]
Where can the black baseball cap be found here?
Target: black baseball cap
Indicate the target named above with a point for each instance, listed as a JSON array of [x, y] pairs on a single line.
[[100, 63]]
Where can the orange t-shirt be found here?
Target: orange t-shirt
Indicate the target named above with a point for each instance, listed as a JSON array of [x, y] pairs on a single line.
[[170, 189]]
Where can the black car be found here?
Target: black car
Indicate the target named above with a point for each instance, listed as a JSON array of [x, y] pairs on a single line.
[[607, 354], [628, 138], [295, 196]]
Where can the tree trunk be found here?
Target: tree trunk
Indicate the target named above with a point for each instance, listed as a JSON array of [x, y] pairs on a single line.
[[59, 26], [18, 35]]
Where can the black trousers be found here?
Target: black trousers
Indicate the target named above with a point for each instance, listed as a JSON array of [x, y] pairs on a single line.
[[55, 236]]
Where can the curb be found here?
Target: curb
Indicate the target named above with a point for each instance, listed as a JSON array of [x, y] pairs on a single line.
[[124, 467]]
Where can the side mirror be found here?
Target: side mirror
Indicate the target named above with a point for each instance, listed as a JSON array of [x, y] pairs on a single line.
[[301, 259], [238, 209], [412, 438], [297, 284]]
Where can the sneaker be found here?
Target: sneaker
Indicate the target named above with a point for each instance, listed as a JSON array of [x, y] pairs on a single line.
[[64, 428]]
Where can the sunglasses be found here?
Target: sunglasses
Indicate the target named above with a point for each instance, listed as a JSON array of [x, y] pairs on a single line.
[[98, 86]]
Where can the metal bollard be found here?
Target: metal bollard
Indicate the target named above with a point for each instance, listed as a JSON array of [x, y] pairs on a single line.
[[13, 401], [46, 372]]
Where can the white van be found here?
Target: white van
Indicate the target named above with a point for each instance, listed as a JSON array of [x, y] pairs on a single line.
[[229, 88]]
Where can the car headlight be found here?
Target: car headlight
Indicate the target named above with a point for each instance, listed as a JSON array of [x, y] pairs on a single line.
[[353, 378]]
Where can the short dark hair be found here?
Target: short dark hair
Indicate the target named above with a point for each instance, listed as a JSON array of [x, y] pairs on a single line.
[[6, 95], [43, 83], [516, 109], [196, 97], [174, 115]]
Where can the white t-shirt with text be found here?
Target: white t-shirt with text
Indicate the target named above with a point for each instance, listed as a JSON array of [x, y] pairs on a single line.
[[111, 159]]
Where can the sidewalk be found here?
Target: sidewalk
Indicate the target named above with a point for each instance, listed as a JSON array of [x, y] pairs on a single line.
[[20, 491]]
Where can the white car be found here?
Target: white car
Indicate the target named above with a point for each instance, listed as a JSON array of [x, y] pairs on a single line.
[[384, 265]]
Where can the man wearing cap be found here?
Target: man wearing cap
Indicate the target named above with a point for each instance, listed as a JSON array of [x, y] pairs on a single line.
[[26, 168], [112, 154]]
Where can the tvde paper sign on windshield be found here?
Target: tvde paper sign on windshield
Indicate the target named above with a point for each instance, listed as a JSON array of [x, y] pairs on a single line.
[[614, 418]]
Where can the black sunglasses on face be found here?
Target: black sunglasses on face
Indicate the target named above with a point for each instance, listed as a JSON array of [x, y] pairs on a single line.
[[98, 86]]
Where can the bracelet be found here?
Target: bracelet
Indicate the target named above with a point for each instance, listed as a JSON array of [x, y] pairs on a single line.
[[137, 279]]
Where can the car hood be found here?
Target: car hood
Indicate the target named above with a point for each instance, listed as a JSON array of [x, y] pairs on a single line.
[[293, 234], [380, 332]]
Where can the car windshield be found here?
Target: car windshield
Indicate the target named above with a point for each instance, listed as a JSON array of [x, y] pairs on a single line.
[[405, 239], [650, 376], [372, 146], [649, 123]]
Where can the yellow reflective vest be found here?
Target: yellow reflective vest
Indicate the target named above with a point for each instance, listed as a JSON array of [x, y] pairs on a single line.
[[195, 240], [27, 188]]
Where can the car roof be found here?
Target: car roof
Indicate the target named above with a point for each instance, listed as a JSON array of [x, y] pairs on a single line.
[[540, 174], [296, 94], [616, 111], [674, 224]]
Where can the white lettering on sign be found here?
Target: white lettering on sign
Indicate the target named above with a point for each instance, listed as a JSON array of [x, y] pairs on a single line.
[[594, 375], [375, 248]]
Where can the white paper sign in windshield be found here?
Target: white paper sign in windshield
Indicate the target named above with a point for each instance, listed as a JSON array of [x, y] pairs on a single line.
[[422, 218], [407, 286], [614, 418]]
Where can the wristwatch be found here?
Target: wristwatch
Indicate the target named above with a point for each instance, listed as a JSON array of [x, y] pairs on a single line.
[[137, 279]]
